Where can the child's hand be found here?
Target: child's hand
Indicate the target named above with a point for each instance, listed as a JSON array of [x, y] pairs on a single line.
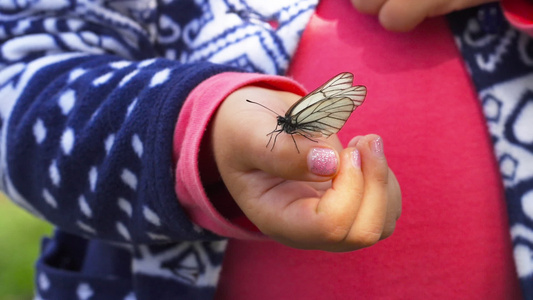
[[404, 15], [292, 199]]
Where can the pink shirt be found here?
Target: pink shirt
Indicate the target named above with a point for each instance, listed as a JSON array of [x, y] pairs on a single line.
[[452, 241]]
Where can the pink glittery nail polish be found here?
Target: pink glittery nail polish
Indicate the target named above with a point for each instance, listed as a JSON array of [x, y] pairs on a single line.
[[322, 161], [377, 146], [356, 158]]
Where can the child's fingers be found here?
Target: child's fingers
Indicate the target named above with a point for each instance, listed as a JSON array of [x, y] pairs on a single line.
[[255, 141], [341, 202], [353, 142], [298, 159], [396, 15], [394, 205], [368, 6], [324, 223], [402, 15], [372, 216]]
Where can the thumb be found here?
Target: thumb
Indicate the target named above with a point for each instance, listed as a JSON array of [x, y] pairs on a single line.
[[295, 157], [252, 141]]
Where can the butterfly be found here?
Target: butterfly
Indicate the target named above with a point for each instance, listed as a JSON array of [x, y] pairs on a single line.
[[322, 112]]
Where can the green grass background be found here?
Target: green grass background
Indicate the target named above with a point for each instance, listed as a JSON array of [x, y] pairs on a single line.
[[20, 236]]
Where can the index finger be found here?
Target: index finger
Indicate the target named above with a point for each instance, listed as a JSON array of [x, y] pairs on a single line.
[[267, 147], [325, 221]]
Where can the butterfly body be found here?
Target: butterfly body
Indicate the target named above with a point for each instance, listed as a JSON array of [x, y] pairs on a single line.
[[322, 112], [287, 124]]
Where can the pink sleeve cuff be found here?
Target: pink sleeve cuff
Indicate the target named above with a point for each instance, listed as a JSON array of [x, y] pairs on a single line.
[[193, 120], [520, 14]]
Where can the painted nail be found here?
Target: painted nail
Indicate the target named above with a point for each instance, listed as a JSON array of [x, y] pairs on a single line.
[[322, 161], [356, 158], [377, 146]]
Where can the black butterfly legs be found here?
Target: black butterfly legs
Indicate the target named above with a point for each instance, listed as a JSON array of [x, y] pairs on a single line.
[[301, 134], [323, 111], [279, 131]]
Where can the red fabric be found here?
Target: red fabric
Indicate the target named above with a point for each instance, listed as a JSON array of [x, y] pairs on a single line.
[[452, 241], [190, 130], [519, 13]]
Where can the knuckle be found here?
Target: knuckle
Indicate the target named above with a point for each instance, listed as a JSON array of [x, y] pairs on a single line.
[[367, 238], [334, 233], [388, 231]]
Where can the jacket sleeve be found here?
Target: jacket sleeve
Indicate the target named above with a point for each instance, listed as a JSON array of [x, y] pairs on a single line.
[[87, 115], [207, 201]]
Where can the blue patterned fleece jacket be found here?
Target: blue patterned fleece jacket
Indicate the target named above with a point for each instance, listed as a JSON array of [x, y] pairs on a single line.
[[90, 91], [90, 94]]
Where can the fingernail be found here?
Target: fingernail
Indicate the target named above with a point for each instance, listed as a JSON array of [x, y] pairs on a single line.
[[322, 161], [356, 158], [377, 146], [354, 141]]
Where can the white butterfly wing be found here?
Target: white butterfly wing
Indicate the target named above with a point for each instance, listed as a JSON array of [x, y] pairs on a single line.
[[326, 109], [336, 86], [323, 118]]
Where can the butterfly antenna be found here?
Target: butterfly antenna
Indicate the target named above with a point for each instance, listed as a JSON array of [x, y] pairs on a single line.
[[262, 106]]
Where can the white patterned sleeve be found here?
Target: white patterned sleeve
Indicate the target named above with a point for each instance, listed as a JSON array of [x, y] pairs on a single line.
[[87, 114]]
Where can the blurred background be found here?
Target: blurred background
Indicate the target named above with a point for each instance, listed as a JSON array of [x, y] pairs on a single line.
[[20, 237]]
